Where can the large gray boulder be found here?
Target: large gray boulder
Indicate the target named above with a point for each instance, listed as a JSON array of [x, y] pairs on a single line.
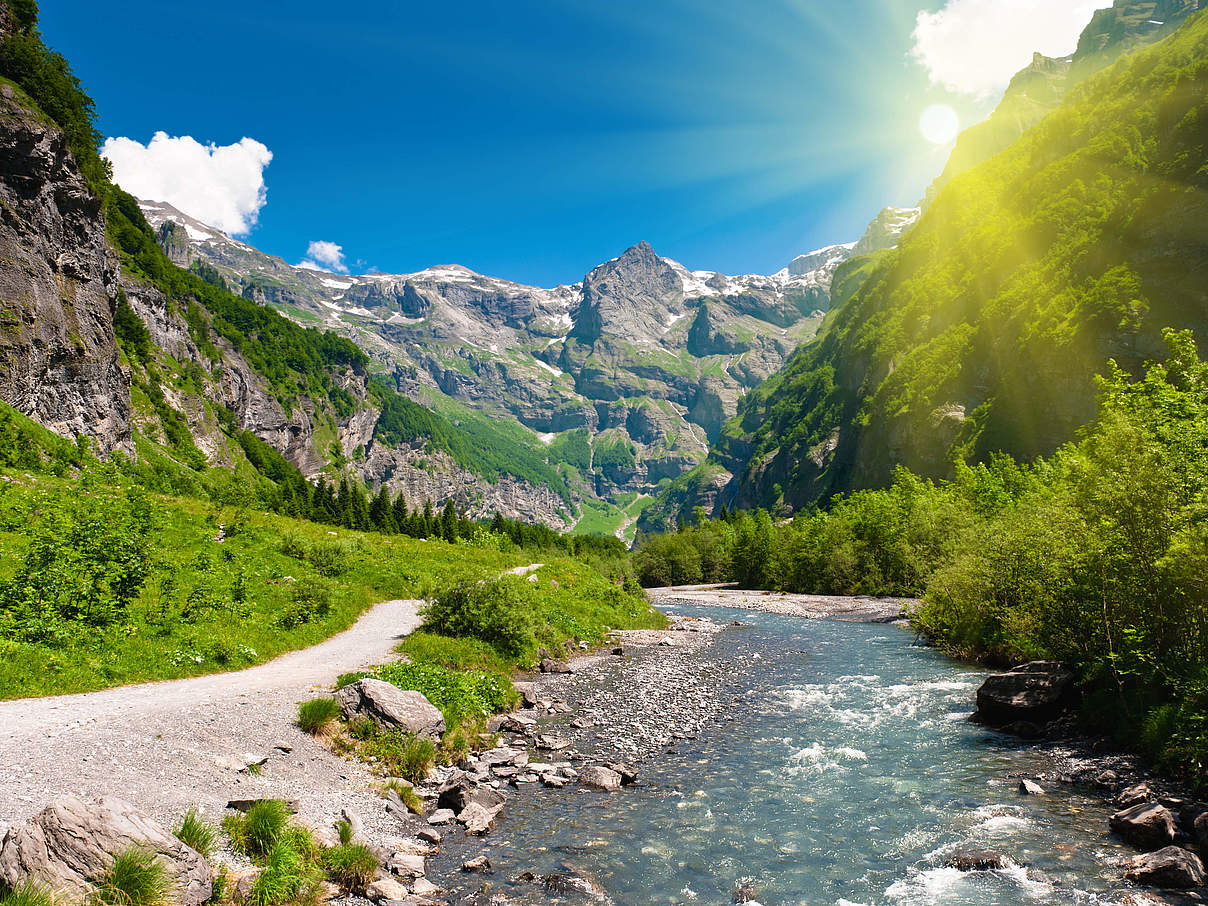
[[73, 842], [1145, 825], [391, 707], [600, 778], [1035, 693], [1171, 866]]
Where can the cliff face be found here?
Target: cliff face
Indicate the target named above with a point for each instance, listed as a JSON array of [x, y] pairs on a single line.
[[59, 361]]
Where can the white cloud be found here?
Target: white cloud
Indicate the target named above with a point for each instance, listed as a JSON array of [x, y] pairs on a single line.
[[220, 185], [974, 46], [324, 256]]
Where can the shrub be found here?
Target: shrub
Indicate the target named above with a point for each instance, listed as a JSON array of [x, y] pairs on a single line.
[[351, 865], [317, 713], [134, 879], [255, 832], [499, 612], [196, 832], [329, 558], [311, 598], [30, 893]]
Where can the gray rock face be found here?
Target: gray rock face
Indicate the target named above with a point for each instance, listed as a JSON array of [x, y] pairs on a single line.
[[1171, 866], [72, 842], [1035, 692], [1148, 824], [59, 361], [391, 707]]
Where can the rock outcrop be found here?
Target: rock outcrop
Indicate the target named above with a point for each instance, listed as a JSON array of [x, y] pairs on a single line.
[[59, 361], [71, 843], [391, 707]]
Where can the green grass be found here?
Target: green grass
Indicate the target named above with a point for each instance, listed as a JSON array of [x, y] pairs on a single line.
[[410, 798], [350, 865], [29, 893], [401, 754], [256, 831], [316, 714], [134, 879], [463, 697], [196, 832], [205, 606], [290, 874]]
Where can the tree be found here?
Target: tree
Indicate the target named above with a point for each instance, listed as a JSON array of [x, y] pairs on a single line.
[[448, 521], [381, 513]]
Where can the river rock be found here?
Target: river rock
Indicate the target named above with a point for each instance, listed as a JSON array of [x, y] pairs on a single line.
[[976, 860], [628, 774], [1199, 831], [1035, 692], [1134, 795], [442, 816], [406, 865], [1146, 824], [479, 864], [600, 778], [460, 792], [385, 889], [549, 665], [1171, 866], [478, 818], [528, 693], [1030, 788], [391, 707], [72, 841]]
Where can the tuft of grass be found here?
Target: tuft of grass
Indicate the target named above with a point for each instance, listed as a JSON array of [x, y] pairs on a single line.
[[351, 865], [347, 679], [315, 715], [255, 832], [407, 794], [28, 893], [289, 875], [403, 754], [134, 879], [344, 831], [196, 832]]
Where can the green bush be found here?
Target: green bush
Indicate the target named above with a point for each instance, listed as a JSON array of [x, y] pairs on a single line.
[[316, 714], [498, 612], [402, 754], [196, 832], [135, 878], [288, 875]]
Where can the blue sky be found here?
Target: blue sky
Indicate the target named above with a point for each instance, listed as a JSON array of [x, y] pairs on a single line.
[[533, 140]]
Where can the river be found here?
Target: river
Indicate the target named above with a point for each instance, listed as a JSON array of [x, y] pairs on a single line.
[[843, 771]]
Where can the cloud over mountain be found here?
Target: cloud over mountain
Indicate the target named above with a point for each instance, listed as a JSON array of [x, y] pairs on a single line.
[[220, 185]]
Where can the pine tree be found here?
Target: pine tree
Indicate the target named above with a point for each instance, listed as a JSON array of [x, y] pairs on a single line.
[[429, 520], [381, 513], [448, 522], [399, 511], [498, 526]]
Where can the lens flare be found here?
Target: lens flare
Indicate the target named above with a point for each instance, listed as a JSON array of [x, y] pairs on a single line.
[[939, 124]]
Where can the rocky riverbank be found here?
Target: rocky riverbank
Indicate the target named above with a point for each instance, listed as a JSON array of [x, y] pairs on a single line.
[[853, 609]]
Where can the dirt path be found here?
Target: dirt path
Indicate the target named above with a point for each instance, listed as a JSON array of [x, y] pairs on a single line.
[[166, 746]]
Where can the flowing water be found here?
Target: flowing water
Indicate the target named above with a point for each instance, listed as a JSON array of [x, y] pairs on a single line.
[[847, 774]]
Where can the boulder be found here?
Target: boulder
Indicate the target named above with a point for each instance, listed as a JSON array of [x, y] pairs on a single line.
[[600, 778], [460, 792], [1035, 692], [385, 889], [1134, 795], [528, 693], [478, 818], [628, 774], [406, 865], [391, 707], [1145, 825], [72, 842], [480, 864], [976, 860], [442, 816], [549, 665], [1199, 830], [1171, 866], [1030, 788]]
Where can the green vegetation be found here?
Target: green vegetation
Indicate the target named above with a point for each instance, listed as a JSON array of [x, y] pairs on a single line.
[[255, 832], [399, 754], [350, 865], [30, 893], [982, 331], [317, 714], [290, 872], [135, 878], [1095, 556], [573, 448], [195, 831]]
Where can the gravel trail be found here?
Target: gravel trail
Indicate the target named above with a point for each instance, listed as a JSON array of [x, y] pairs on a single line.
[[165, 746]]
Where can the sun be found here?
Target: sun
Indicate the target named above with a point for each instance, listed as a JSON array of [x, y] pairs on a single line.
[[939, 124]]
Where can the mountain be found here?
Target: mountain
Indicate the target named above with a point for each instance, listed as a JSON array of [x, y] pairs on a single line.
[[1039, 88], [104, 339], [620, 379], [983, 330]]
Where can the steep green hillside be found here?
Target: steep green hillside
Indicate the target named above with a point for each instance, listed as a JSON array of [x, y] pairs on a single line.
[[984, 329]]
